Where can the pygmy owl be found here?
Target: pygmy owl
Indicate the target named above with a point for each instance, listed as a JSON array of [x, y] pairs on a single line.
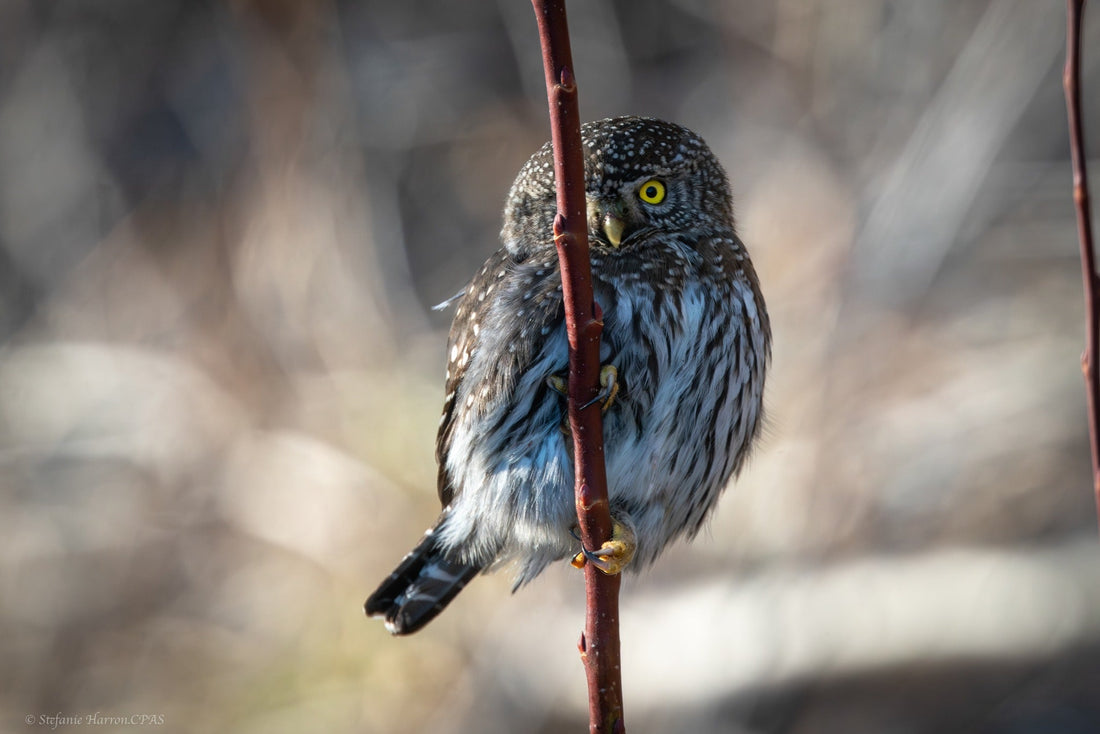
[[685, 347]]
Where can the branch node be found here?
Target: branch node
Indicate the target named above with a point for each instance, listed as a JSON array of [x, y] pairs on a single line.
[[588, 498], [566, 81], [560, 227]]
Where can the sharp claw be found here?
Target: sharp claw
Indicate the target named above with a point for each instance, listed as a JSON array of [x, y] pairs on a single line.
[[579, 560], [592, 402], [596, 557], [614, 555], [585, 555], [609, 382]]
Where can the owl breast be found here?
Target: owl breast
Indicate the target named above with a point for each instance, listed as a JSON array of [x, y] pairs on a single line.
[[689, 349]]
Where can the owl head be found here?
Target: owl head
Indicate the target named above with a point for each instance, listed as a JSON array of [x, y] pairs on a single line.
[[644, 179]]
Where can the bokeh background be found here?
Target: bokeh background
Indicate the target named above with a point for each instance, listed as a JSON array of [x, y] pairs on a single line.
[[223, 225]]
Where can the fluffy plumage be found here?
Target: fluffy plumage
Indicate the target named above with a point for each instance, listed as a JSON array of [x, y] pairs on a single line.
[[684, 323]]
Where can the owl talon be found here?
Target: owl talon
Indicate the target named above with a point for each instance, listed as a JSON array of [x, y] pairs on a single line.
[[559, 384], [609, 387], [609, 382], [614, 555]]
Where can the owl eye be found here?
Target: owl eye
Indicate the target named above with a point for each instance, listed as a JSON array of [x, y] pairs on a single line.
[[652, 192]]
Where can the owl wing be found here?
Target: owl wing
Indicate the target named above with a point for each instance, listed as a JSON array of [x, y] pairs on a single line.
[[502, 323]]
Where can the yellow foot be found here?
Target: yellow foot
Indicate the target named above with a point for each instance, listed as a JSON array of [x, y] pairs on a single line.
[[614, 555], [609, 384], [559, 384], [609, 387]]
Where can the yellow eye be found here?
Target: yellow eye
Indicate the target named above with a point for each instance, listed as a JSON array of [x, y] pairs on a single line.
[[652, 192]]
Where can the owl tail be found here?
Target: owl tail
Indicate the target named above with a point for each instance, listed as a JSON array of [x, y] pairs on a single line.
[[421, 586]]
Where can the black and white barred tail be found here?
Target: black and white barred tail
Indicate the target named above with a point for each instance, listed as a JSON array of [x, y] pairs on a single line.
[[421, 586]]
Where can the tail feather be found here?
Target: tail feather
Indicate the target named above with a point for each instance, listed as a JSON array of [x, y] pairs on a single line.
[[421, 586]]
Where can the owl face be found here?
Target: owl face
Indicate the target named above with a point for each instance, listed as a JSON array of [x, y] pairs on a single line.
[[643, 178]]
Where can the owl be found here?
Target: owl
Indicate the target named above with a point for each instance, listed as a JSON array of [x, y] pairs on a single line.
[[684, 353]]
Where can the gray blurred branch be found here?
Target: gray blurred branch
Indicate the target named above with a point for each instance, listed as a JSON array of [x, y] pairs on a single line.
[[925, 197]]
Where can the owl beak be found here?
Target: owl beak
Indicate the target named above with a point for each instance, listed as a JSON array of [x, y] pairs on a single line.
[[608, 219], [613, 227]]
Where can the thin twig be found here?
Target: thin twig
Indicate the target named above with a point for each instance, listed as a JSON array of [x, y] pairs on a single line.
[[599, 642], [1090, 361]]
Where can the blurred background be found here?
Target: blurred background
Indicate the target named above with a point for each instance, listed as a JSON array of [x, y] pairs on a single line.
[[223, 225]]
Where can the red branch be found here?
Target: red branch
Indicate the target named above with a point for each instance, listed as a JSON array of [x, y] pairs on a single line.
[[1090, 363], [599, 644]]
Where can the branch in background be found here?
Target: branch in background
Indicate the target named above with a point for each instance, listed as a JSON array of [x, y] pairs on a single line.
[[599, 643], [1090, 361]]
